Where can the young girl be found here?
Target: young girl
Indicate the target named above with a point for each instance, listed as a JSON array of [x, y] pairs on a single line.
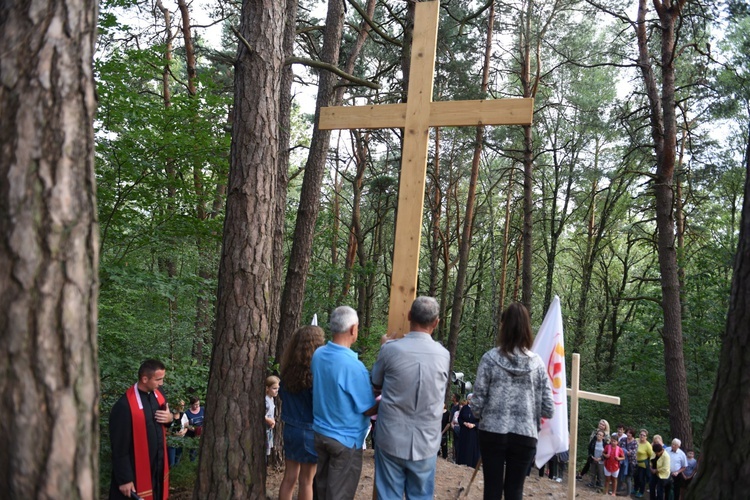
[[612, 455], [596, 452], [296, 413], [272, 390]]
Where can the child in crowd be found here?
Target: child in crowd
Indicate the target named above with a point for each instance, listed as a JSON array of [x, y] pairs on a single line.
[[613, 456], [272, 390], [596, 452], [688, 473]]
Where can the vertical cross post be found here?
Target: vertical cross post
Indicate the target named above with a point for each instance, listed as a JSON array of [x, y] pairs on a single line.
[[575, 395], [416, 117]]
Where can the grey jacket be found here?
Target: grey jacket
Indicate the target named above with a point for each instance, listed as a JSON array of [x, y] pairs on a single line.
[[512, 393]]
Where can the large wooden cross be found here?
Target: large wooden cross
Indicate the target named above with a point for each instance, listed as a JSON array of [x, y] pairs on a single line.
[[576, 394], [416, 116]]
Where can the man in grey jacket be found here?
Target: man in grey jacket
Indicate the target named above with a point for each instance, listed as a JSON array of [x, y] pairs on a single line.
[[413, 374]]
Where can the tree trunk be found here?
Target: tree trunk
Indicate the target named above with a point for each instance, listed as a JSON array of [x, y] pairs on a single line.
[[309, 204], [664, 134], [168, 262], [465, 242], [528, 161], [282, 179], [722, 469], [49, 252], [232, 458], [506, 250], [435, 213]]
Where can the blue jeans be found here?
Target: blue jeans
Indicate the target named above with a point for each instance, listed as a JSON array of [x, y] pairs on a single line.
[[506, 458], [174, 455], [395, 477]]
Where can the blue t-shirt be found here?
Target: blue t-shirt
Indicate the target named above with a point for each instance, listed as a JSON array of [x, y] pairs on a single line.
[[341, 394]]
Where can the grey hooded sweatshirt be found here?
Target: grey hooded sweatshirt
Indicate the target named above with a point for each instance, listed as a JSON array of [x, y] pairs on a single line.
[[512, 393]]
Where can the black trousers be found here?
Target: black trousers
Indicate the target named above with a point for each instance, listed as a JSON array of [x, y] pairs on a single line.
[[505, 460]]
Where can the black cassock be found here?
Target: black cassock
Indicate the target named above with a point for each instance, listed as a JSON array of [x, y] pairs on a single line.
[[121, 438]]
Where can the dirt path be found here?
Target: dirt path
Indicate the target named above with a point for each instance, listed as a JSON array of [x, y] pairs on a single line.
[[449, 479]]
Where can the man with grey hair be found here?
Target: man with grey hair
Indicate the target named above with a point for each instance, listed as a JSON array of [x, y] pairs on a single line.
[[677, 464], [413, 374], [343, 400]]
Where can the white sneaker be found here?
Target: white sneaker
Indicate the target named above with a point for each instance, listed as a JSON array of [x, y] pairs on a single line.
[[559, 480]]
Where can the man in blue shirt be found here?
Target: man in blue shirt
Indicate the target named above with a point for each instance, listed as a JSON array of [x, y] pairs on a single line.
[[343, 401]]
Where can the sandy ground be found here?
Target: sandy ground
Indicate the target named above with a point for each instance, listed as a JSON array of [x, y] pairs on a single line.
[[452, 480]]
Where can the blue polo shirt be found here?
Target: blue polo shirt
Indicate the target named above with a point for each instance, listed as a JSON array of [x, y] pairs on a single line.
[[341, 394]]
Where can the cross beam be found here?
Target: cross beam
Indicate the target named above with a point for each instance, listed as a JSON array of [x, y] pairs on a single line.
[[416, 116]]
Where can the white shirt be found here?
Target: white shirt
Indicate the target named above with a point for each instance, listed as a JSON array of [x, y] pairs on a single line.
[[677, 460]]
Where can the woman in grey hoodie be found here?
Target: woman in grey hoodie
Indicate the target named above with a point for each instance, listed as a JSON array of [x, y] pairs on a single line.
[[511, 396]]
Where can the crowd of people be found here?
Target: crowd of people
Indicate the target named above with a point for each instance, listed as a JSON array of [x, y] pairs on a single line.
[[330, 401], [638, 465]]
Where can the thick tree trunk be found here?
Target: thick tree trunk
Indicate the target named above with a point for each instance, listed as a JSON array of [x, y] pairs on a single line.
[[309, 204], [723, 467], [49, 251], [232, 455], [664, 133]]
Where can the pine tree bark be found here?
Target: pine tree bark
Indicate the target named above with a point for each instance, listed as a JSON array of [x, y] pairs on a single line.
[[309, 205], [49, 251], [282, 179], [723, 466], [232, 454], [663, 126]]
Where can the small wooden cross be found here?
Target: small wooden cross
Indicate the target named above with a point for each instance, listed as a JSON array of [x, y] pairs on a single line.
[[576, 394], [416, 116]]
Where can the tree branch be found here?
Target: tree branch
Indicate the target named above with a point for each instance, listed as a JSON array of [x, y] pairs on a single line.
[[372, 24], [333, 69], [242, 39]]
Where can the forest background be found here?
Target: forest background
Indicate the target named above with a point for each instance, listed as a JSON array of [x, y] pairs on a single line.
[[567, 207]]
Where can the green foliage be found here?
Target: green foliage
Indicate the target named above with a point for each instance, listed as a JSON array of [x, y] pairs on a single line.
[[593, 239]]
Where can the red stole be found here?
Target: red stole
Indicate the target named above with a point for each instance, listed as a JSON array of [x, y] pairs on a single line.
[[143, 485]]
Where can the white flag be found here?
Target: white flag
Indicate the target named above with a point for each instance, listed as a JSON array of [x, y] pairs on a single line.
[[314, 321], [554, 436]]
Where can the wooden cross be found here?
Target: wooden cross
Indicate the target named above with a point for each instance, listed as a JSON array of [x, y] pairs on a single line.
[[416, 116], [576, 394]]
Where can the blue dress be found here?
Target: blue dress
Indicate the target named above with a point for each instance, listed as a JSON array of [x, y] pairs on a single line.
[[297, 415]]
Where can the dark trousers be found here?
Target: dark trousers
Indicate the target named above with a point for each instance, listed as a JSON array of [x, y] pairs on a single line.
[[657, 487], [339, 468], [641, 479], [505, 460], [586, 466]]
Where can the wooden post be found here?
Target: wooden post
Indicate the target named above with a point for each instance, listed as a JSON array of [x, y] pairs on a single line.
[[575, 395], [415, 117], [573, 452]]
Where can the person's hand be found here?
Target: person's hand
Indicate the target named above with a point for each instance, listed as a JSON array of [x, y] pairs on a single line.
[[164, 416], [182, 431], [126, 488], [272, 424], [387, 337]]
